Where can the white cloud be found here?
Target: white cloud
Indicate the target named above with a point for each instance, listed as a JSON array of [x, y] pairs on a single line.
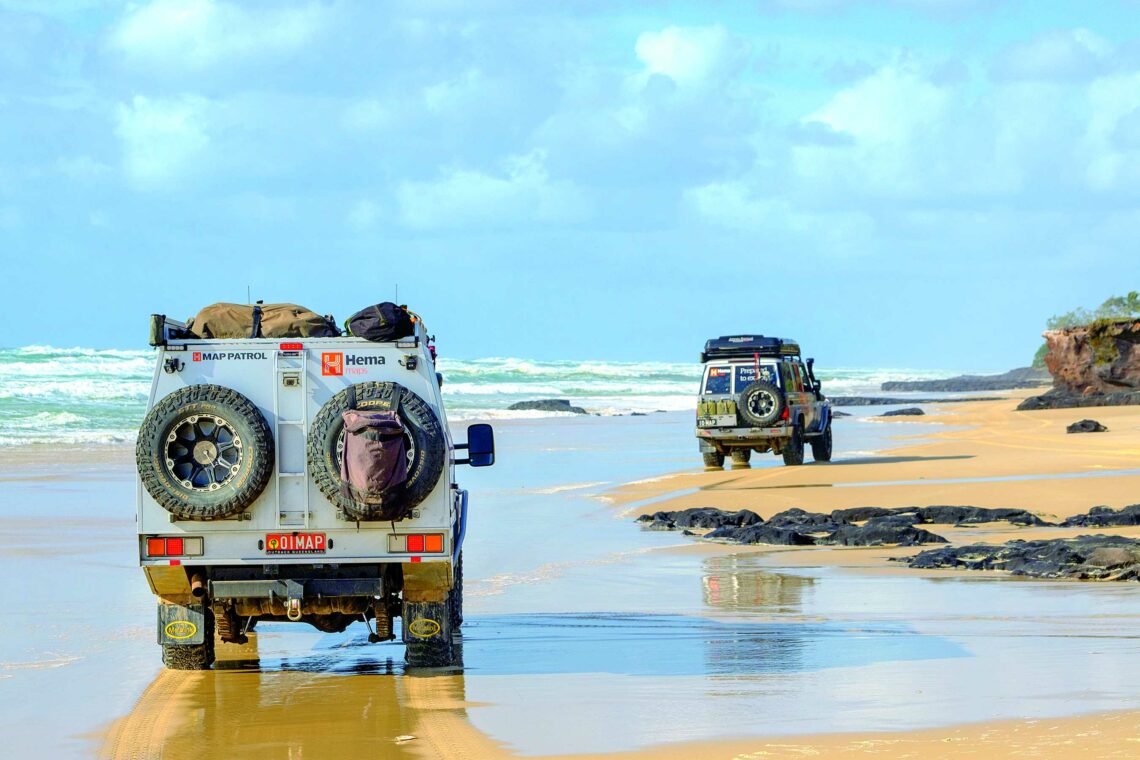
[[162, 139], [456, 95], [522, 193], [1114, 103], [687, 55], [197, 34], [1058, 55]]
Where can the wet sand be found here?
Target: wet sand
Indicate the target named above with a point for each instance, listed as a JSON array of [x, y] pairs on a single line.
[[588, 637]]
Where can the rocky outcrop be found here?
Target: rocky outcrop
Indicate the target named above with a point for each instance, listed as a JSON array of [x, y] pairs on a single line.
[[547, 405], [888, 401], [707, 518], [1103, 517], [1086, 426], [910, 411], [1059, 398], [1103, 357], [1022, 377], [1084, 557]]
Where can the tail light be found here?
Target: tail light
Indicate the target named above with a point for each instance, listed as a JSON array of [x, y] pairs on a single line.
[[180, 546], [785, 415], [416, 543]]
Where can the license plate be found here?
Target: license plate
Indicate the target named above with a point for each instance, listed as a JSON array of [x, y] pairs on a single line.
[[706, 422], [295, 543]]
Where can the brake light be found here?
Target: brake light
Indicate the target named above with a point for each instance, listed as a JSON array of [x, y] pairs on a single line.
[[785, 415], [291, 346], [175, 547], [416, 543]]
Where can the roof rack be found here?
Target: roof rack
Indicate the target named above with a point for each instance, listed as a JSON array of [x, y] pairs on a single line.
[[743, 346]]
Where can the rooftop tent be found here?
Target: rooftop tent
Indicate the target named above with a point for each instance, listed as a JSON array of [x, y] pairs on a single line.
[[743, 346]]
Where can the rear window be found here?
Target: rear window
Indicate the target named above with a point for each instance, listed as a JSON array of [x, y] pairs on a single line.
[[717, 380]]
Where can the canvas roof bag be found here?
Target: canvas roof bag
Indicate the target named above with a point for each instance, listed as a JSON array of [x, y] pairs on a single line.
[[381, 323], [274, 320], [375, 455]]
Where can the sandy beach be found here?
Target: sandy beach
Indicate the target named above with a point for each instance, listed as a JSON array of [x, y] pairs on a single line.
[[588, 637]]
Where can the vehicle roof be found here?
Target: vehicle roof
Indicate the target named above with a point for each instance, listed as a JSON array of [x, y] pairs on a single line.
[[727, 346]]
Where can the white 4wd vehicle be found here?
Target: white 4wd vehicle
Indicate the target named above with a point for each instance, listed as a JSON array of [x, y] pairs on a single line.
[[241, 512], [758, 395]]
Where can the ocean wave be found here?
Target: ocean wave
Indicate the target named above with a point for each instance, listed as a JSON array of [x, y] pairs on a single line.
[[90, 396]]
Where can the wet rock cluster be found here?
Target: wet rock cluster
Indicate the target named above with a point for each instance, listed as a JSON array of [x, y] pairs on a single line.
[[1084, 557], [857, 526], [1104, 517], [910, 411]]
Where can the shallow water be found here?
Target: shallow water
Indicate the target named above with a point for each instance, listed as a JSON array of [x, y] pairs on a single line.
[[581, 634]]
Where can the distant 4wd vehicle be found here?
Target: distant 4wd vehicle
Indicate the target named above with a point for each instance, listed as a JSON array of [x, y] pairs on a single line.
[[758, 395]]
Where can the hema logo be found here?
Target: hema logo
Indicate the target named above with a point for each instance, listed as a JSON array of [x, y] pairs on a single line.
[[332, 363]]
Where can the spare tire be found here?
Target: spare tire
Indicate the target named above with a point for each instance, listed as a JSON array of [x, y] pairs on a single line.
[[426, 445], [760, 403], [204, 452]]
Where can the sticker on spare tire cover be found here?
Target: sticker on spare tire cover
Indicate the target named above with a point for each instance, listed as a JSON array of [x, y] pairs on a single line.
[[424, 628]]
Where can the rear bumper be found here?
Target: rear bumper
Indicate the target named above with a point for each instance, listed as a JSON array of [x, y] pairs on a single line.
[[289, 588], [729, 435]]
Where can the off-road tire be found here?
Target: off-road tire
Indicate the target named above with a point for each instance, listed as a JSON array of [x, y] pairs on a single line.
[[252, 435], [714, 460], [192, 656], [760, 404], [455, 596], [435, 652], [793, 450], [422, 426], [821, 445], [741, 458]]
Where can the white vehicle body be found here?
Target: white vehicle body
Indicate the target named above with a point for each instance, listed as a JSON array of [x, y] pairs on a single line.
[[289, 387]]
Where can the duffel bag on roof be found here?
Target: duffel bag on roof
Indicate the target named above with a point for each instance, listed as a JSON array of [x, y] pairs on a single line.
[[274, 320], [381, 323]]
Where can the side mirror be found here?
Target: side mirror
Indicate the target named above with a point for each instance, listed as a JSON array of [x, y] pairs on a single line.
[[480, 446]]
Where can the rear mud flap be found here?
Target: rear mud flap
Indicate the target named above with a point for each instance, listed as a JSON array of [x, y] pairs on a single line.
[[426, 622], [181, 626]]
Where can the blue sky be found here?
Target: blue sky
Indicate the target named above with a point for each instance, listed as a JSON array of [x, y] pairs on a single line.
[[892, 182]]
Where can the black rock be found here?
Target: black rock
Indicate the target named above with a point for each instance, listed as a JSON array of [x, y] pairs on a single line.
[[762, 534], [1022, 377], [840, 414], [547, 405], [971, 515], [798, 518], [858, 514], [910, 411], [888, 401], [1062, 399], [1101, 517], [707, 518], [1086, 426], [880, 531], [1085, 557]]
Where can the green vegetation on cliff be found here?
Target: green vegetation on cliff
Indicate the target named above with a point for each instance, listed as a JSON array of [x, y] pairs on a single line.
[[1116, 307]]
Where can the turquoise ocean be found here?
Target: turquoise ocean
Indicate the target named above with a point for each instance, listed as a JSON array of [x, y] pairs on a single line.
[[85, 396]]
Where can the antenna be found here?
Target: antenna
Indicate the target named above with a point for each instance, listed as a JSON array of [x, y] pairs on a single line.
[[397, 293], [247, 296]]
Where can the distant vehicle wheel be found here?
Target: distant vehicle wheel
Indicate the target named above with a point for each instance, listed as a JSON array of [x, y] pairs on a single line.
[[714, 460], [740, 459], [760, 403], [821, 445], [192, 656], [427, 450], [794, 449], [204, 452]]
